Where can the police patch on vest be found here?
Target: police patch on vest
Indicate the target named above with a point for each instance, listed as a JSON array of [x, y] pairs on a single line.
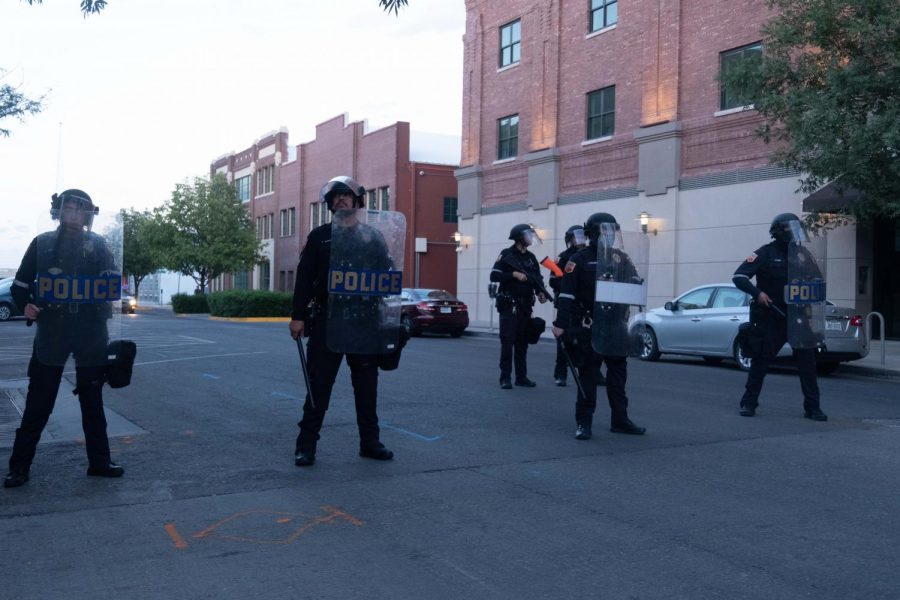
[[364, 282], [752, 257], [570, 266], [67, 289]]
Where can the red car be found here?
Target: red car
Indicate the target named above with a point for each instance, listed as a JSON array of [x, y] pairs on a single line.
[[436, 311]]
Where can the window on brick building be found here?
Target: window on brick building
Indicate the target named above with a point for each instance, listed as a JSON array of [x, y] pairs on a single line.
[[507, 137], [318, 214], [264, 226], [288, 218], [385, 197], [240, 280], [731, 97], [265, 275], [603, 13], [450, 209], [601, 113], [243, 188], [265, 180], [510, 43], [372, 199]]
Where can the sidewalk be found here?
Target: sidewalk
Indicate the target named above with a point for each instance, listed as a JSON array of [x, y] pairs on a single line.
[[870, 365]]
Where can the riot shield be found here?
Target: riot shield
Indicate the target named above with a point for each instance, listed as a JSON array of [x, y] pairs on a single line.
[[804, 293], [621, 283], [365, 281], [77, 283]]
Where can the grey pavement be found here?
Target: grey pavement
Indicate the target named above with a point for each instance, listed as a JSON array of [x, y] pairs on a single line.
[[489, 496]]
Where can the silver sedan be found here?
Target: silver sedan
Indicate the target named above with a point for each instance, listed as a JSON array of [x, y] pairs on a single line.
[[704, 322]]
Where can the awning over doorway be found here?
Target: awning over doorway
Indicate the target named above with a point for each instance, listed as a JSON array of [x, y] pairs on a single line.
[[832, 197]]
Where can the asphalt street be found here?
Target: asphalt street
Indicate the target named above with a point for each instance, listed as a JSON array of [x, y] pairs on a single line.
[[489, 496]]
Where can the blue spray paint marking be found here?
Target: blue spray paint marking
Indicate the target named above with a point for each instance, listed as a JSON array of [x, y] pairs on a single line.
[[208, 376], [283, 395], [410, 433]]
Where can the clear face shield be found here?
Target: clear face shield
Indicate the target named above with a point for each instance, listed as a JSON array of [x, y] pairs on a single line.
[[77, 214], [530, 238], [610, 236], [796, 232], [578, 238]]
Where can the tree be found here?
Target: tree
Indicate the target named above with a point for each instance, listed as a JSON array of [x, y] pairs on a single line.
[[13, 103], [95, 6], [87, 6], [828, 86], [142, 254], [205, 231]]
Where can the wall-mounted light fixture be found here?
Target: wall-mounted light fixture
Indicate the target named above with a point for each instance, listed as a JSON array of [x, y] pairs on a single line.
[[644, 218], [457, 238]]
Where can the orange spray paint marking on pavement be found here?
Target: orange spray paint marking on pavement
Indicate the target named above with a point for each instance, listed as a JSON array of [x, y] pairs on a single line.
[[173, 533], [217, 530]]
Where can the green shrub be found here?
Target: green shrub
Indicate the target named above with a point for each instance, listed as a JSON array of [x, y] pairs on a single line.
[[189, 303], [250, 303]]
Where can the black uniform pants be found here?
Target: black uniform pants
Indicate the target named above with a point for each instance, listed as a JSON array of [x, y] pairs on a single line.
[[775, 335], [43, 385], [514, 341], [323, 368], [616, 376], [561, 368]]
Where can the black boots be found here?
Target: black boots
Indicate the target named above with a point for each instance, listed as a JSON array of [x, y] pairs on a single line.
[[628, 427], [815, 414], [305, 459], [107, 470], [748, 410], [525, 382], [505, 384], [15, 479], [378, 452], [583, 432]]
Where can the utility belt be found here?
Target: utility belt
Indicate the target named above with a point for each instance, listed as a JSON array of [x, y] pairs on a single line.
[[506, 301]]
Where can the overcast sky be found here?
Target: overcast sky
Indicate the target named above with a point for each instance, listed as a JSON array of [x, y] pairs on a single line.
[[150, 91]]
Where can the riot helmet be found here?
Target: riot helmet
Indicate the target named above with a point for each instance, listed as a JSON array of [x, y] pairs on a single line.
[[602, 228], [73, 207], [787, 228], [525, 234], [342, 185], [575, 236]]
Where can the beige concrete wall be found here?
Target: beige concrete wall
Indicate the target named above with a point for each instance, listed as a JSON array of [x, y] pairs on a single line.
[[701, 236]]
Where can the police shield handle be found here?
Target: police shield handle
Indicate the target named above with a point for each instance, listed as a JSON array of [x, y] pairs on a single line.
[[31, 313], [550, 264]]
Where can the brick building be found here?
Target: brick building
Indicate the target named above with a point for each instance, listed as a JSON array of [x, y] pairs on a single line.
[[571, 108], [280, 183]]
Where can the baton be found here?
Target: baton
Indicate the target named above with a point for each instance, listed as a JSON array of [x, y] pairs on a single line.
[[572, 368], [312, 401], [777, 310]]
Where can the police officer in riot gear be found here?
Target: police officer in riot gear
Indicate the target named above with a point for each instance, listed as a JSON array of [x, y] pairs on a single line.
[[768, 317], [308, 317], [70, 253], [576, 312], [575, 241], [517, 272]]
